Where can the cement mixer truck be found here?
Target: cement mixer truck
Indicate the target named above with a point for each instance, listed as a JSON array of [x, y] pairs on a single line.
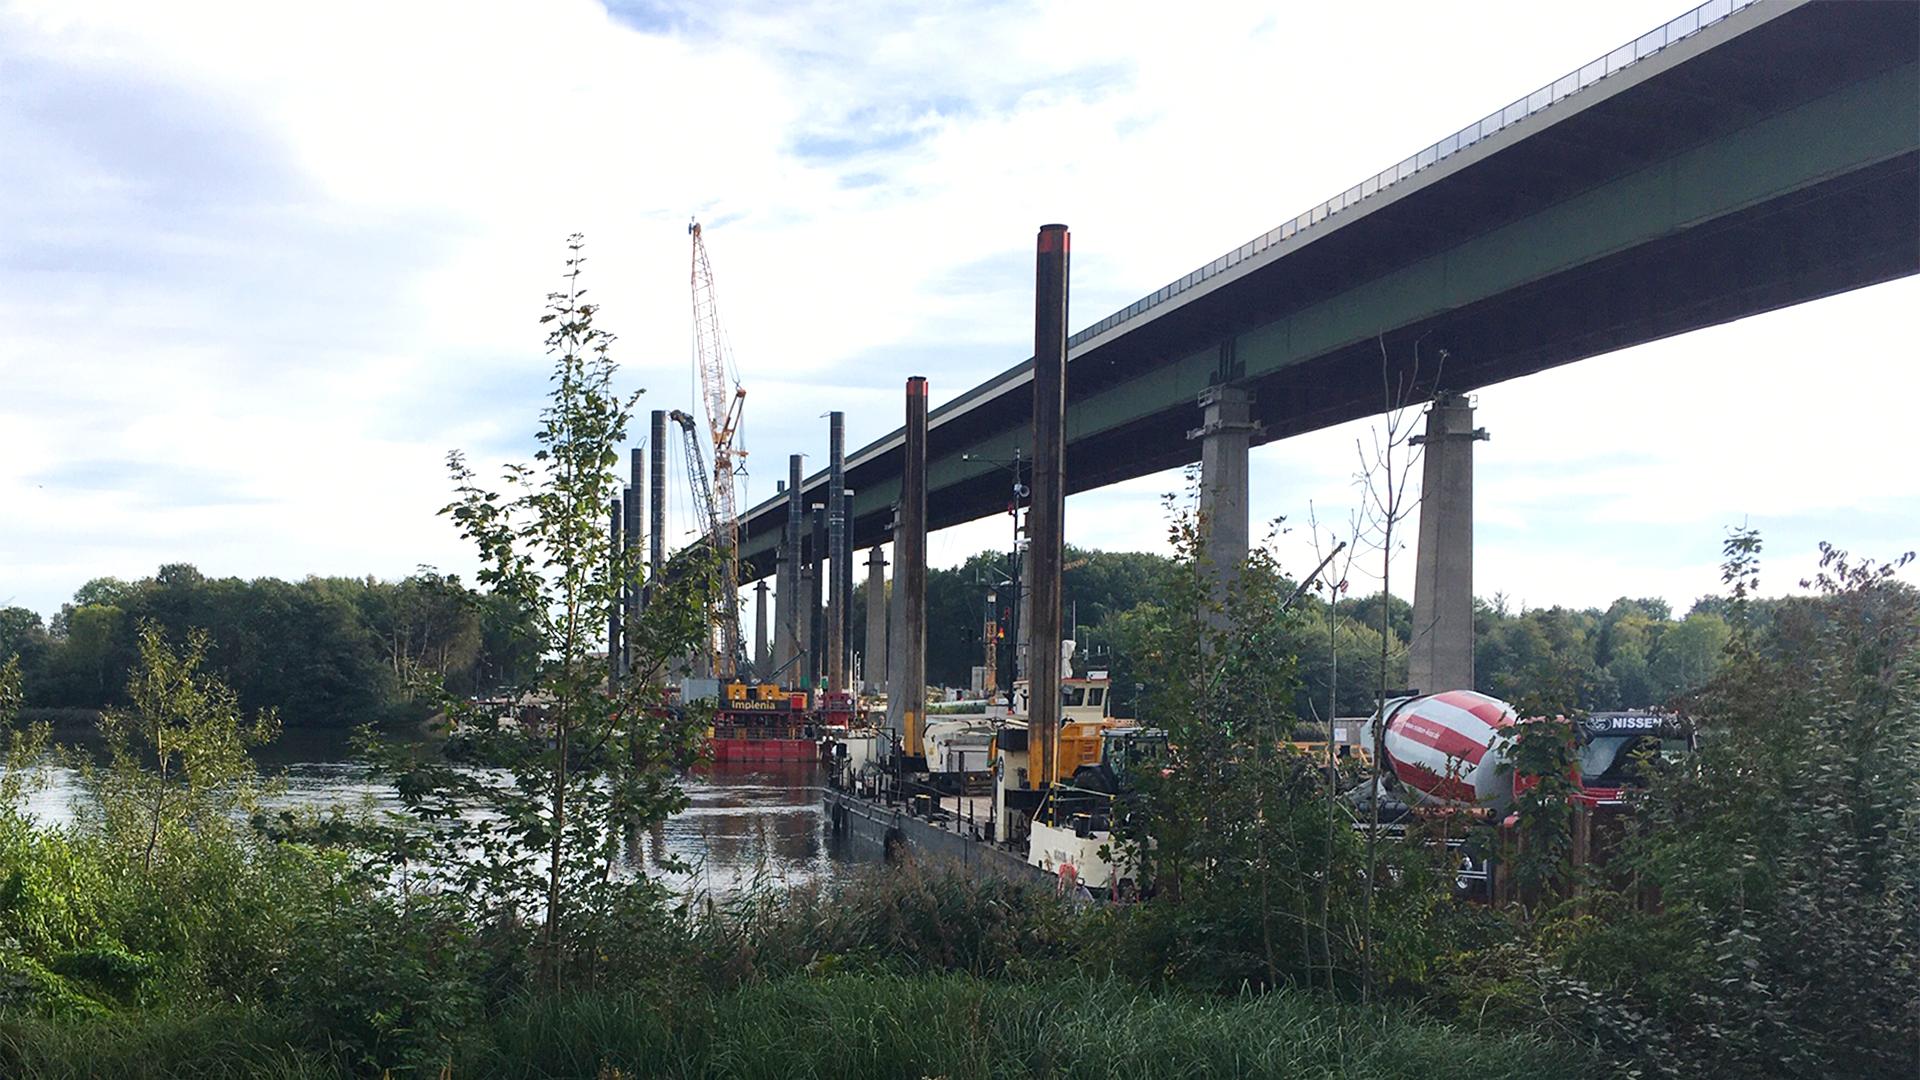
[[1445, 750]]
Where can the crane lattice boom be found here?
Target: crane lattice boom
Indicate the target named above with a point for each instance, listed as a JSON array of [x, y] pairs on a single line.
[[715, 364]]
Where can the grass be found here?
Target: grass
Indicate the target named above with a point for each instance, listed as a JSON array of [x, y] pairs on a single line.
[[960, 1027], [215, 1044], [951, 1026]]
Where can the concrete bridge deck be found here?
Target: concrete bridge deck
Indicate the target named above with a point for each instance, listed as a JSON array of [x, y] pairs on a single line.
[[1742, 158]]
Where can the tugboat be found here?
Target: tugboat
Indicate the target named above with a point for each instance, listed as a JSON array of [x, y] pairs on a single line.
[[1085, 715], [1071, 835]]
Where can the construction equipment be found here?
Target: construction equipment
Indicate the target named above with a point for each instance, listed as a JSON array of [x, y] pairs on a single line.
[[1445, 750], [714, 360], [724, 635]]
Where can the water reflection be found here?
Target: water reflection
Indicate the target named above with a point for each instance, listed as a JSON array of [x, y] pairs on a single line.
[[745, 823], [748, 822]]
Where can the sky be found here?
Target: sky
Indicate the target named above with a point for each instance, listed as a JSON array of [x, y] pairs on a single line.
[[262, 266]]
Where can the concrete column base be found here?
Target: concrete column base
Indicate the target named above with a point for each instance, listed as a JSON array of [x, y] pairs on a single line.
[[1226, 434], [1440, 654]]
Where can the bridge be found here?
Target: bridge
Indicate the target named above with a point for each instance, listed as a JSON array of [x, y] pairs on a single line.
[[1741, 158]]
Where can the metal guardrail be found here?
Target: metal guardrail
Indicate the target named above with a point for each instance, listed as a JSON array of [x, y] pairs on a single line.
[[1679, 29], [911, 798]]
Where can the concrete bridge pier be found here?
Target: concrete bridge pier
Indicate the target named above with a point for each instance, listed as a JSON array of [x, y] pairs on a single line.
[[782, 611], [1440, 656], [808, 615], [760, 657], [873, 666], [1226, 433], [786, 595]]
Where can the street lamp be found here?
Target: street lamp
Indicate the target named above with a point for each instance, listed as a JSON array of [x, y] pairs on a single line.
[[1019, 491]]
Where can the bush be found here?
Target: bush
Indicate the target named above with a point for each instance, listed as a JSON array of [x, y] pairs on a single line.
[[906, 918]]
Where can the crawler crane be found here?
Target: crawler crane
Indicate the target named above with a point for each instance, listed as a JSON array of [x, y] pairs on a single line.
[[714, 361]]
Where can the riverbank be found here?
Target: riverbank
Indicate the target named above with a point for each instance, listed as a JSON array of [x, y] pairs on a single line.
[[872, 1025]]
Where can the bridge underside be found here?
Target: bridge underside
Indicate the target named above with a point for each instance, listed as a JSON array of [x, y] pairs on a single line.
[[1767, 169], [1758, 260]]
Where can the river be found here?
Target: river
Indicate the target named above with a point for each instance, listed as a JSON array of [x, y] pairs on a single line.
[[743, 822]]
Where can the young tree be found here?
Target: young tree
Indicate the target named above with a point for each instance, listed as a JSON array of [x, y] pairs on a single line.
[[1386, 470], [23, 749], [1786, 851], [573, 763], [178, 763], [1233, 826], [1336, 555]]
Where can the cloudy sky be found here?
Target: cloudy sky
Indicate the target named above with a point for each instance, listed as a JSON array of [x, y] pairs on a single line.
[[263, 265]]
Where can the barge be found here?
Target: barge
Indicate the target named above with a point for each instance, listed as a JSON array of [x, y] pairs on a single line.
[[758, 723]]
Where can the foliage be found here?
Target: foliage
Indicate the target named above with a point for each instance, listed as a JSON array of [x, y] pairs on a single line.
[[179, 758], [1762, 915], [322, 652], [338, 652], [1790, 851], [903, 919], [1538, 755], [538, 790], [1251, 884], [1761, 918]]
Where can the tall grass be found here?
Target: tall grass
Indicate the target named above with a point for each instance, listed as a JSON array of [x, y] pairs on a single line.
[[960, 1027], [908, 918], [209, 1044], [953, 1026]]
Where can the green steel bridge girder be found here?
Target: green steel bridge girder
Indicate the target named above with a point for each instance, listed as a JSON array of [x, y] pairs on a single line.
[[1858, 126]]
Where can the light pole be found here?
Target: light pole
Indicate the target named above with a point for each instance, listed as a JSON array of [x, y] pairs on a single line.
[[1010, 578]]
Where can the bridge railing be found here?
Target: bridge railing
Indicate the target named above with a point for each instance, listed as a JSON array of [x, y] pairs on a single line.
[[1685, 26]]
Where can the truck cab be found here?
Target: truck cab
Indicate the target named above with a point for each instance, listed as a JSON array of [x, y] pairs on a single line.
[[1611, 745]]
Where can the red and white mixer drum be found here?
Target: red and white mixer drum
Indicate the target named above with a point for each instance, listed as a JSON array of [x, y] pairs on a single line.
[[1441, 746]]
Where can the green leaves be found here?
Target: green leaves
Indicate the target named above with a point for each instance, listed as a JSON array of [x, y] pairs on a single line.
[[542, 783]]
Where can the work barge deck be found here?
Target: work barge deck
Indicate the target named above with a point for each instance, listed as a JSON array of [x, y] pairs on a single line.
[[901, 820]]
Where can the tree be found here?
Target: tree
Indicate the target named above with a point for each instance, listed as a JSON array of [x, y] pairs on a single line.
[[1385, 472], [1226, 840], [178, 758], [428, 626], [24, 639], [1689, 654], [85, 667], [1787, 852], [588, 759]]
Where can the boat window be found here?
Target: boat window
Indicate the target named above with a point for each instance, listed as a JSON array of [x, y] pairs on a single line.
[[1097, 696], [1073, 696]]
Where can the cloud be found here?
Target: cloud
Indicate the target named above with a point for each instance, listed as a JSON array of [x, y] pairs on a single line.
[[264, 265]]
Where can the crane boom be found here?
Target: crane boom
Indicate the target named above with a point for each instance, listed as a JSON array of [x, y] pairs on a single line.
[[696, 471], [724, 410], [724, 634]]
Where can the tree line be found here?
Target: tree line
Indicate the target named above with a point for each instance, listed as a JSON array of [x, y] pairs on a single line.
[[324, 652], [1634, 653], [334, 652]]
